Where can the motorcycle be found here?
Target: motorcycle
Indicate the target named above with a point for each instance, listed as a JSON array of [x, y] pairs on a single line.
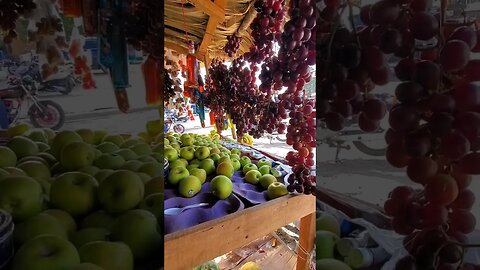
[[171, 122], [21, 92]]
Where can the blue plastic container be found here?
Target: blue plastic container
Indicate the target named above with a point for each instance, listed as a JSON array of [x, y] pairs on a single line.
[[6, 240]]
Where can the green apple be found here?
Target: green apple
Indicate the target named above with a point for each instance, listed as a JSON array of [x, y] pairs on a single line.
[[248, 167], [189, 186], [116, 139], [221, 186], [276, 189], [264, 161], [155, 185], [171, 138], [99, 219], [127, 154], [132, 165], [50, 159], [214, 150], [76, 155], [98, 153], [57, 169], [129, 143], [46, 252], [253, 177], [120, 191], [328, 223], [202, 152], [102, 174], [166, 141], [33, 158], [35, 169], [50, 133], [154, 204], [195, 161], [88, 135], [331, 264], [264, 169], [141, 149], [37, 225], [187, 152], [107, 147], [215, 157], [224, 159], [266, 180], [23, 147], [88, 235], [146, 158], [3, 173], [175, 146], [37, 135], [42, 147], [108, 255], [138, 229], [326, 242], [244, 161], [208, 165], [87, 266], [90, 170], [154, 127], [109, 161], [192, 166], [201, 174], [8, 158], [64, 218], [186, 140], [234, 156], [74, 192], [145, 137], [225, 168], [177, 174], [179, 162], [236, 164], [21, 196], [171, 154], [14, 171], [144, 177], [18, 129], [98, 136], [63, 138], [151, 168], [236, 152], [158, 157]]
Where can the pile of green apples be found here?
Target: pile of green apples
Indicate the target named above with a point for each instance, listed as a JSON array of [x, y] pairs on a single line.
[[195, 158], [83, 200]]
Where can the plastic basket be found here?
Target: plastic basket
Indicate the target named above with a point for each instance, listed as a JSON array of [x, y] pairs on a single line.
[[6, 240]]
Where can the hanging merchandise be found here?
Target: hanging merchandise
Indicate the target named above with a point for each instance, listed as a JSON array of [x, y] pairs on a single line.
[[71, 8], [113, 48], [199, 98], [81, 65], [89, 15], [192, 66], [153, 80]]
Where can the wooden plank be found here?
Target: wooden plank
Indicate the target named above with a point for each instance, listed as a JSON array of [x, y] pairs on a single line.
[[210, 30], [217, 237], [213, 9], [306, 241]]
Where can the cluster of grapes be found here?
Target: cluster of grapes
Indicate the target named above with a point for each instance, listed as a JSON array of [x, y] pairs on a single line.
[[232, 45], [11, 11], [266, 28], [144, 26], [291, 70]]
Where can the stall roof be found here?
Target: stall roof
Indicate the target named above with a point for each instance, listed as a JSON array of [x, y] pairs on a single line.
[[207, 23]]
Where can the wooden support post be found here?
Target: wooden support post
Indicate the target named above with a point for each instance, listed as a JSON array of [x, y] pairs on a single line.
[[213, 9], [306, 241]]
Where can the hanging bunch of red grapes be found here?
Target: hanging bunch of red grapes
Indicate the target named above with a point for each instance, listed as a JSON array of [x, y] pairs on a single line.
[[434, 129], [233, 44], [258, 109]]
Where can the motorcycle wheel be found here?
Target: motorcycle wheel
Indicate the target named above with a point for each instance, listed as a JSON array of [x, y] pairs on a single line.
[[178, 128], [369, 150], [49, 115]]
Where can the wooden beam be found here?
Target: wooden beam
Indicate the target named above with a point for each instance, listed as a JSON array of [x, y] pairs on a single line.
[[210, 8], [176, 47], [235, 230], [210, 30]]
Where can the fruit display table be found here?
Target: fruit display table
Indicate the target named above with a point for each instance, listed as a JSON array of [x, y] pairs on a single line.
[[232, 231], [245, 224]]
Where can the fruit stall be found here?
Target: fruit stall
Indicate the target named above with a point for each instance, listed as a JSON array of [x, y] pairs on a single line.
[[247, 62], [85, 198], [413, 207]]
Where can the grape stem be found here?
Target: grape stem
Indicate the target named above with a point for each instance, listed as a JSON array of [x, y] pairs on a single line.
[[352, 23], [335, 27]]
